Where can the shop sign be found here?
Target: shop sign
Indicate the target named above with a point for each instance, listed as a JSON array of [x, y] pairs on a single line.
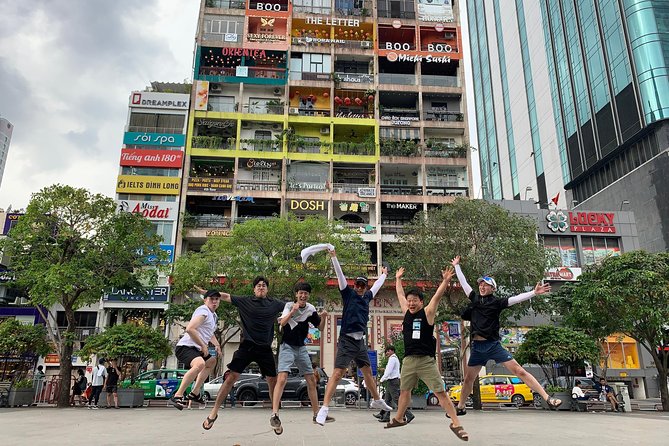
[[367, 192], [598, 222], [397, 24], [307, 186], [169, 249], [209, 184], [400, 121], [562, 273], [201, 95], [233, 198], [404, 57], [154, 139], [151, 210], [230, 37], [217, 233], [307, 205], [213, 124], [435, 11], [155, 294], [10, 220], [356, 78], [258, 37], [245, 52], [6, 275], [439, 27], [152, 158], [403, 206], [138, 184], [159, 100], [52, 358], [354, 207], [440, 47], [275, 7], [351, 115], [261, 164], [333, 21], [316, 40]]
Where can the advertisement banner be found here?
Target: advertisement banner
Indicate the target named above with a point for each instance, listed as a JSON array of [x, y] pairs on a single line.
[[154, 139], [10, 220], [209, 184], [146, 99], [152, 158], [435, 11], [201, 95], [169, 249], [136, 184], [156, 294], [151, 210], [563, 273]]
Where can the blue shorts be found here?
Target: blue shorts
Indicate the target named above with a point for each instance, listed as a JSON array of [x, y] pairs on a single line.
[[483, 351]]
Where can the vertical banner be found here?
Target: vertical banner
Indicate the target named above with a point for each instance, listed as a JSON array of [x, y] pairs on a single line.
[[201, 95]]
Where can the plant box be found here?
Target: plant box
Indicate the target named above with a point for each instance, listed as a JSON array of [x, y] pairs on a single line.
[[418, 402], [130, 397], [21, 397]]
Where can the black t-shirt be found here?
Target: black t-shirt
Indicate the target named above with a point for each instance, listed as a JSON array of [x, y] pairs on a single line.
[[112, 377], [296, 336], [258, 317], [485, 314], [82, 382], [418, 335]]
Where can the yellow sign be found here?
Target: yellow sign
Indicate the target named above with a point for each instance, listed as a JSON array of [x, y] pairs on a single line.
[[217, 233], [623, 374], [137, 184]]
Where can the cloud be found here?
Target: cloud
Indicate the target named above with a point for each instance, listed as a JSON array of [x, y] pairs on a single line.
[[66, 70]]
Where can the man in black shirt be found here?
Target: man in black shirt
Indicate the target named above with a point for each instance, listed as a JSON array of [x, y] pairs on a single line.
[[420, 349], [111, 384], [295, 321], [484, 310]]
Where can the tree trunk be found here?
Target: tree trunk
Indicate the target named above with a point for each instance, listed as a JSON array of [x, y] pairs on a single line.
[[66, 360], [664, 392], [476, 394]]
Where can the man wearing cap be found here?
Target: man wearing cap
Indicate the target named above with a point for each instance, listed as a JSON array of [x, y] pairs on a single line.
[[193, 349], [351, 344], [484, 310]]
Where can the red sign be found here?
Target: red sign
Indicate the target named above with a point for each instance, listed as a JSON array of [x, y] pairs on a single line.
[[601, 222], [152, 158], [52, 358]]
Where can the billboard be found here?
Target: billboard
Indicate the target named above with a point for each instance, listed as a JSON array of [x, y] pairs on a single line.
[[156, 294], [152, 158], [435, 11], [147, 99], [138, 184], [154, 139], [151, 210], [10, 220]]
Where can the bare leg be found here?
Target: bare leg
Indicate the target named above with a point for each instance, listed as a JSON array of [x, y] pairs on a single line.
[[313, 393], [402, 404], [202, 376], [470, 376], [516, 369], [446, 404], [223, 393], [196, 366], [370, 383], [115, 399], [271, 380], [278, 391], [332, 385]]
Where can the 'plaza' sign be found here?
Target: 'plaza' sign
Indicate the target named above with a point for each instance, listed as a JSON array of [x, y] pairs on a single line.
[[598, 222]]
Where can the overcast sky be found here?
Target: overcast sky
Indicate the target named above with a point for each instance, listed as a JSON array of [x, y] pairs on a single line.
[[67, 68]]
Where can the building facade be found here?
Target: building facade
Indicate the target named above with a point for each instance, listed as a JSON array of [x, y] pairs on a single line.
[[6, 129], [587, 115]]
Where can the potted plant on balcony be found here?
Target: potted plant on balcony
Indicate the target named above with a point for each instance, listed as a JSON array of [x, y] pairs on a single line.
[[558, 351], [133, 345]]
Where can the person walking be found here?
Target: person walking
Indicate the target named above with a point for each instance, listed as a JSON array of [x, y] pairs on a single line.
[[111, 385], [295, 320], [97, 382], [420, 348], [484, 310], [79, 387], [257, 315], [351, 345], [391, 378], [193, 349]]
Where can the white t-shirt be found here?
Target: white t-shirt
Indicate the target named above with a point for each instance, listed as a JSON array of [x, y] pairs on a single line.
[[99, 375], [205, 330], [578, 392]]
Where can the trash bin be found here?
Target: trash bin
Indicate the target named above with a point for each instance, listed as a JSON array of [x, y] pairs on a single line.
[[623, 391]]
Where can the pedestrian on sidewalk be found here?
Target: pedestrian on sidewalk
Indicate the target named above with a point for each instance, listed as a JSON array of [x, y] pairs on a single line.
[[79, 387], [111, 385], [351, 345], [391, 378], [98, 381], [484, 310]]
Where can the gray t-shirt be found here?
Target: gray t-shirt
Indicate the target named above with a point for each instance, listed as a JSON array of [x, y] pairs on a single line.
[[258, 317]]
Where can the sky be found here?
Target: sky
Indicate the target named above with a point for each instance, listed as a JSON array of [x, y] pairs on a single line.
[[67, 68]]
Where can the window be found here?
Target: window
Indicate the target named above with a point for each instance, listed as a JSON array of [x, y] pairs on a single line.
[[163, 229], [596, 249], [81, 318], [155, 122], [155, 171], [487, 381], [620, 352], [564, 247], [263, 134]]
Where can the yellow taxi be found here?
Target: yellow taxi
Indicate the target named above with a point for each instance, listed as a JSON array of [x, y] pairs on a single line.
[[499, 389]]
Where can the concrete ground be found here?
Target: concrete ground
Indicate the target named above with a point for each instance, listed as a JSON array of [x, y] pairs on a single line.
[[250, 426]]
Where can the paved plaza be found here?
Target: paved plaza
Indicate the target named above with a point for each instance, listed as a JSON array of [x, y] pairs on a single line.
[[250, 426]]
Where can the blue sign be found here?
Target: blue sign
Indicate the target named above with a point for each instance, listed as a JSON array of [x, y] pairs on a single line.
[[373, 358], [157, 294], [154, 139]]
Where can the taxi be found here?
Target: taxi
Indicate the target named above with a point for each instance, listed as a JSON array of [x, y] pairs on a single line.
[[160, 383], [499, 389]]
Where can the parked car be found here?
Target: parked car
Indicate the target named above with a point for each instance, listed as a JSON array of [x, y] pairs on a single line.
[[350, 389], [499, 389], [159, 383], [212, 387], [257, 389]]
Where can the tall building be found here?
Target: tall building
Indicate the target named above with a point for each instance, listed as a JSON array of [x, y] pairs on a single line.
[[6, 129], [572, 98], [349, 109]]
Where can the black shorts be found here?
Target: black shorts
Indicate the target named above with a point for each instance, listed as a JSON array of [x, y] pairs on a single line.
[[112, 389], [249, 352], [185, 354], [350, 349]]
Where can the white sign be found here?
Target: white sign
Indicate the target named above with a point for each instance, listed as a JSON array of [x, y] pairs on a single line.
[[563, 274], [367, 192], [230, 37], [242, 72], [151, 210], [145, 99], [400, 120], [403, 57], [435, 11], [405, 206]]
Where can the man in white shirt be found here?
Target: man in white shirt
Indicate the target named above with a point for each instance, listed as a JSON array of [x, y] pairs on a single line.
[[577, 392], [391, 376], [98, 380]]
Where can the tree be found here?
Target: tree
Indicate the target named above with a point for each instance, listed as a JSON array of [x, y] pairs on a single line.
[[124, 342], [17, 341], [626, 294], [71, 246]]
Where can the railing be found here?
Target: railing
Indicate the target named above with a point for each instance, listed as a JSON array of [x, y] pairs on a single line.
[[253, 72], [137, 128], [391, 147], [397, 15], [324, 112], [437, 151], [218, 37], [349, 188], [80, 333], [47, 391], [345, 9], [260, 109], [443, 115], [306, 187], [397, 78], [225, 4], [307, 76], [323, 10], [240, 220], [216, 106], [213, 142], [449, 191], [392, 229], [272, 186], [433, 80], [308, 147], [352, 148], [210, 221], [401, 190], [260, 145], [355, 78]]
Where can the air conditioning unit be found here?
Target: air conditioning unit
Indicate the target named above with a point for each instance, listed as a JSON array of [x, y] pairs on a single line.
[[19, 301], [365, 44], [277, 127], [246, 125], [215, 88], [278, 91], [449, 36], [325, 130], [293, 111]]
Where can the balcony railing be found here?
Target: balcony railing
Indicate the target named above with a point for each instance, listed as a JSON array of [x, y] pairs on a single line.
[[308, 147], [213, 142], [392, 147], [401, 190], [225, 4], [443, 115], [392, 229], [260, 145], [253, 72], [307, 76], [81, 333], [272, 186], [269, 109], [354, 78], [447, 191], [397, 15], [216, 106], [304, 111], [138, 128], [445, 150], [352, 148], [432, 80], [208, 221], [218, 37], [397, 78], [323, 10], [349, 188]]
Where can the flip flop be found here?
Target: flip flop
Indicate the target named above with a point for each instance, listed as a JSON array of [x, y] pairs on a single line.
[[394, 423], [210, 422], [553, 403], [460, 432]]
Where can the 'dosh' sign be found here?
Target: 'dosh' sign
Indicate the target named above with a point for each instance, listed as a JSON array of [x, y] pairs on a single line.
[[151, 210], [152, 158]]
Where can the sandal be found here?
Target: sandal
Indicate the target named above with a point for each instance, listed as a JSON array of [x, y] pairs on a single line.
[[394, 423], [197, 398], [210, 423], [460, 432], [553, 403]]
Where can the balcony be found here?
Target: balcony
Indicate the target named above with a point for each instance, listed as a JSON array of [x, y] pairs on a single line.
[[309, 111], [436, 149], [354, 78], [225, 4], [397, 78], [207, 221], [347, 8], [431, 80], [308, 9], [397, 14], [352, 148], [447, 191], [350, 188], [268, 186], [306, 146], [213, 142], [252, 75], [260, 145], [81, 333], [391, 147], [392, 229], [435, 114], [217, 106], [264, 109], [308, 76], [150, 129], [401, 190]]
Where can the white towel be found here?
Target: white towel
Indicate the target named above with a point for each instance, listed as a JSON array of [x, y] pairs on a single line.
[[313, 249], [302, 314], [100, 371]]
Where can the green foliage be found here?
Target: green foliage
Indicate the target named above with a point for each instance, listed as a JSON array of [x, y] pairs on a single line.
[[24, 384], [392, 147], [548, 345], [17, 339]]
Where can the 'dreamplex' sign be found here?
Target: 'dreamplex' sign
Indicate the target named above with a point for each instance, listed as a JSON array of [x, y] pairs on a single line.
[[159, 100], [152, 210]]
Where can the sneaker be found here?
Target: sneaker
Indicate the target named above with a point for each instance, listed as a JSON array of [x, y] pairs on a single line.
[[379, 415], [95, 407], [177, 402], [409, 417], [275, 422], [380, 404], [322, 415], [328, 419]]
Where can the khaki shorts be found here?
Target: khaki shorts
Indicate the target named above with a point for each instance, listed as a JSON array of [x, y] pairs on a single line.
[[423, 368]]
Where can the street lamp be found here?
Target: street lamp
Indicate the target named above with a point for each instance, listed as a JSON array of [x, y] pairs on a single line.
[[527, 189], [622, 203]]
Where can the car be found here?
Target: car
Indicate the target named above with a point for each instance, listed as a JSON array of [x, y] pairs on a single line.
[[499, 389], [159, 383], [249, 391], [210, 389], [350, 389]]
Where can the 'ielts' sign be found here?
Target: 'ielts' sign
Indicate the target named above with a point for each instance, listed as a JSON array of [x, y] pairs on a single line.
[[592, 222], [152, 158]]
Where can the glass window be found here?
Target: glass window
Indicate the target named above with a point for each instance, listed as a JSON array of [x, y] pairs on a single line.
[[564, 247], [155, 171], [596, 249], [163, 229], [487, 381]]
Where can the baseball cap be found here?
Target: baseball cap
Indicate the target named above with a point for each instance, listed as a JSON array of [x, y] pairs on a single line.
[[489, 280], [361, 279], [210, 293]]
